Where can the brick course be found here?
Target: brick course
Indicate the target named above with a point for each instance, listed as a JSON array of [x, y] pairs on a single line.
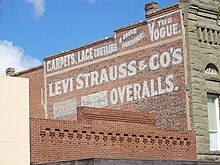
[[116, 137]]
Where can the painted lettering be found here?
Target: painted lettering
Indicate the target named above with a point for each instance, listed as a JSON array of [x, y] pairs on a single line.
[[149, 88], [163, 28], [137, 91], [112, 73], [60, 87], [83, 55], [165, 59], [134, 40]]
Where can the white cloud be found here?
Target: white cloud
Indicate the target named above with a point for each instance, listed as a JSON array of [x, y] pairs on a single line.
[[14, 56], [39, 7]]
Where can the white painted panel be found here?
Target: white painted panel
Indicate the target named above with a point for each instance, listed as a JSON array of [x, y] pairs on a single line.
[[64, 108], [97, 100]]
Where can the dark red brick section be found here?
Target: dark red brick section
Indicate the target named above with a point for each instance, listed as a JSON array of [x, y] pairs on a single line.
[[119, 136]]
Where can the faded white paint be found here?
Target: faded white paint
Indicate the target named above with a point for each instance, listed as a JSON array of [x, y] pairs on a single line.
[[128, 34], [64, 108], [79, 57], [127, 93], [113, 73], [147, 88], [97, 100], [165, 59], [60, 87], [116, 55], [133, 41], [163, 28]]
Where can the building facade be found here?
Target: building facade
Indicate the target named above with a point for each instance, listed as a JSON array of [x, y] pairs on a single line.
[[14, 121], [168, 64], [201, 22]]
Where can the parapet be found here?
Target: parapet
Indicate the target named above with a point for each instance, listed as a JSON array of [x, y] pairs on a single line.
[[107, 133]]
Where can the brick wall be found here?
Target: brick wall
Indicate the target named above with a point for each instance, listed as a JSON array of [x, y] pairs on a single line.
[[120, 136], [126, 91], [36, 89], [147, 90]]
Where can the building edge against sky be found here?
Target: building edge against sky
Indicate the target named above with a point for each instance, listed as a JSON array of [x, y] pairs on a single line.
[[187, 99]]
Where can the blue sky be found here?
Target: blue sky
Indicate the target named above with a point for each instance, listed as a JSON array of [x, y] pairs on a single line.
[[33, 29]]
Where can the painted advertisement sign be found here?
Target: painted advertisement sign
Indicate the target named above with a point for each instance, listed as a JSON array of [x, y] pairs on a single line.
[[97, 100], [64, 108], [141, 68], [78, 57], [125, 70]]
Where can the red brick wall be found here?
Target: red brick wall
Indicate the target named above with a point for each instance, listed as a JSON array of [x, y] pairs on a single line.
[[36, 87], [56, 140], [169, 105]]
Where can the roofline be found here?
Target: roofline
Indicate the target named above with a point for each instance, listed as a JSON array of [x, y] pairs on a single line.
[[29, 70], [79, 48], [133, 25], [165, 9]]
